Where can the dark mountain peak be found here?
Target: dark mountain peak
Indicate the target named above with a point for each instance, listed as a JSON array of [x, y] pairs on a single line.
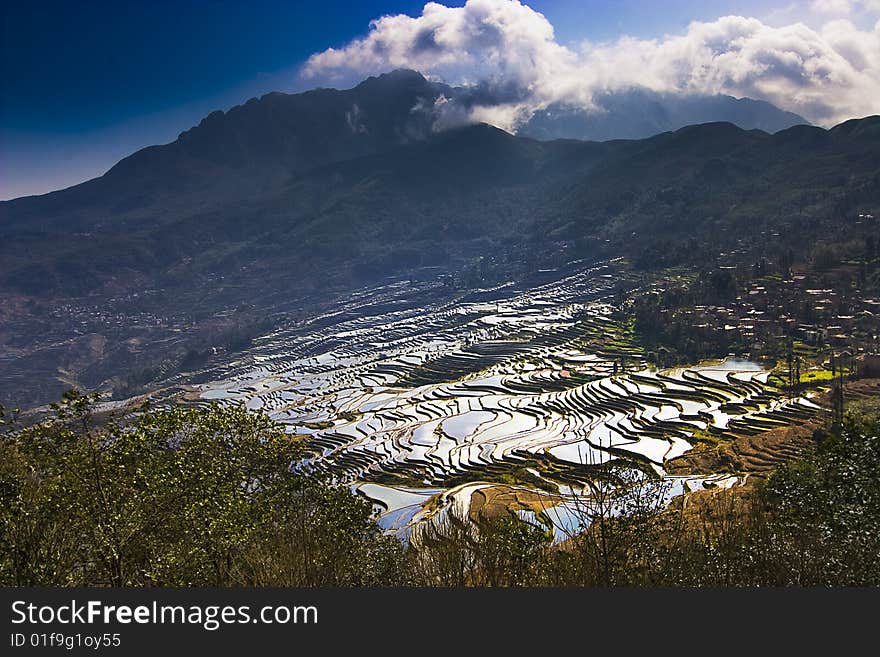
[[717, 130], [277, 135], [214, 117], [715, 135], [799, 131], [397, 77], [455, 162], [480, 131], [860, 136], [479, 145], [709, 127], [868, 126], [269, 96]]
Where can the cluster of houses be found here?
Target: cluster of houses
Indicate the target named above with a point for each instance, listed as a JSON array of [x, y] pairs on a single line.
[[85, 319], [803, 308]]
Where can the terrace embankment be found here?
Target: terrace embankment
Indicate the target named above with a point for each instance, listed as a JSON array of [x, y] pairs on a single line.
[[859, 390], [495, 501], [758, 454], [761, 453]]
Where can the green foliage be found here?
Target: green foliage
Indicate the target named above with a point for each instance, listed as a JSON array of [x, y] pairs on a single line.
[[183, 497], [816, 376], [832, 502], [814, 522]]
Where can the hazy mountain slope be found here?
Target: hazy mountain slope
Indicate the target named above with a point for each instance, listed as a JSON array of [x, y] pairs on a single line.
[[474, 183], [640, 113]]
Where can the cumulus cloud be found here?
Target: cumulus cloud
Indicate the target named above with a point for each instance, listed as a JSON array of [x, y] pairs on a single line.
[[826, 74]]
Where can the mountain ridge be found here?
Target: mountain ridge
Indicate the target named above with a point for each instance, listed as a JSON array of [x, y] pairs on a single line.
[[278, 134], [207, 245], [638, 113]]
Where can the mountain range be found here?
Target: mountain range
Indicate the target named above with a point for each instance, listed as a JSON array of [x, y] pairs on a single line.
[[640, 113], [291, 197]]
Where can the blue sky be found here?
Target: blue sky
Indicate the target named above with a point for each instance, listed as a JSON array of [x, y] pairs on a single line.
[[85, 83]]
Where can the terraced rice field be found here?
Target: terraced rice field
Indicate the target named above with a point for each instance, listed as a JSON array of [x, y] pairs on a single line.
[[408, 402]]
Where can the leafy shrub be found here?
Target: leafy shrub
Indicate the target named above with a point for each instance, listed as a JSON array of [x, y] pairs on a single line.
[[179, 497]]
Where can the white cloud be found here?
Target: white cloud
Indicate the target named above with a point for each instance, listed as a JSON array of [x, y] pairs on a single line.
[[844, 7], [827, 74], [831, 6]]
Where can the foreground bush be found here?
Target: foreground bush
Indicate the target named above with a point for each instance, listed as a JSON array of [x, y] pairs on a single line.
[[207, 497], [814, 522], [182, 497]]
